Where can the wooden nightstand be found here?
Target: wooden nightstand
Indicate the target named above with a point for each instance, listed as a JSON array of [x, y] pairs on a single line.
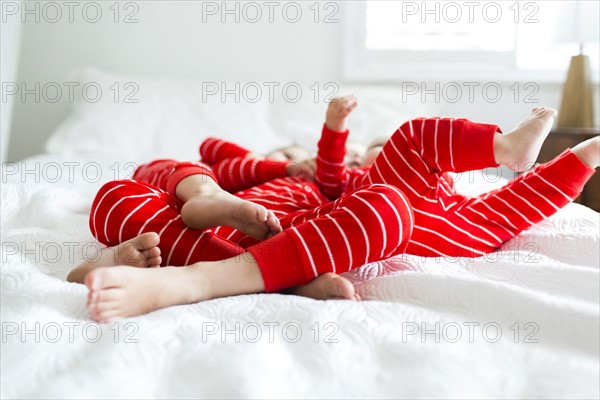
[[557, 142]]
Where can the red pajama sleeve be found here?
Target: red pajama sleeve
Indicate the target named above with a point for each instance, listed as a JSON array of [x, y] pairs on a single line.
[[331, 174]]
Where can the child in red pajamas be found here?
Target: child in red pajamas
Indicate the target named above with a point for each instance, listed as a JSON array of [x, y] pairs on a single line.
[[178, 202], [369, 221], [416, 160], [418, 156]]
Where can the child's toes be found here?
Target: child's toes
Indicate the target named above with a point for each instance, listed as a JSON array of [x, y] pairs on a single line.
[[272, 221], [108, 315], [154, 262], [153, 252], [262, 214], [276, 229]]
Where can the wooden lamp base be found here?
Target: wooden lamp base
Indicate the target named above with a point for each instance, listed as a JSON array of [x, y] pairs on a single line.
[[576, 108]]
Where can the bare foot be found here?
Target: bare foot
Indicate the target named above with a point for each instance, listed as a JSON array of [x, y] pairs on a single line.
[[142, 251], [121, 292], [274, 225], [589, 152], [206, 210], [326, 287], [338, 111], [519, 149]]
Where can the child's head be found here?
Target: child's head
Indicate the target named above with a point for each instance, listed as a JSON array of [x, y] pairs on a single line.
[[373, 150], [355, 154], [358, 155], [289, 153]]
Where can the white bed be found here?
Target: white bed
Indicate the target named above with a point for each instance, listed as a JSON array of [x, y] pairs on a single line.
[[541, 289]]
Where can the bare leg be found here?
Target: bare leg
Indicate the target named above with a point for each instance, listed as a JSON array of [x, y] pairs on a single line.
[[119, 292], [589, 152], [207, 205], [519, 149], [141, 251]]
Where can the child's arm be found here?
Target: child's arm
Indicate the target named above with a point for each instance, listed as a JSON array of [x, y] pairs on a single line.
[[331, 174]]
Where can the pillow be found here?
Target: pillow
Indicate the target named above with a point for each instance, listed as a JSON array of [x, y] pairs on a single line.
[[170, 118]]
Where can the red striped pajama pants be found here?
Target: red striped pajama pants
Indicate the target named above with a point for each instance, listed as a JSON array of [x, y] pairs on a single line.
[[368, 224], [418, 155]]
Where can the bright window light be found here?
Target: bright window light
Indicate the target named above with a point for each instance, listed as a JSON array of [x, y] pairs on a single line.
[[434, 26], [524, 37]]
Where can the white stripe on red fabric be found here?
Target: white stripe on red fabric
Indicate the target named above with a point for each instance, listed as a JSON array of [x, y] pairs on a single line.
[[129, 216], [381, 224], [364, 232], [325, 243], [151, 218], [168, 262], [95, 233], [307, 251], [187, 260]]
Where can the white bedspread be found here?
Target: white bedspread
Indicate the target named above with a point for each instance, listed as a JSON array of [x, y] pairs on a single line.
[[522, 323]]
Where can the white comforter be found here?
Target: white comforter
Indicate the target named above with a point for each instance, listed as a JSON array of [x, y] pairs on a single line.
[[522, 323]]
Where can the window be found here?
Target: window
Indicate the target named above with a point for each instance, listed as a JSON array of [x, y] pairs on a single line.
[[392, 40]]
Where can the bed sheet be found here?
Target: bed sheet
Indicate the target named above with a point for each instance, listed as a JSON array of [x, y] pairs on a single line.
[[520, 323]]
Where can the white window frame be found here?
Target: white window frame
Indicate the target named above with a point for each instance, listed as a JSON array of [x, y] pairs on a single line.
[[363, 65]]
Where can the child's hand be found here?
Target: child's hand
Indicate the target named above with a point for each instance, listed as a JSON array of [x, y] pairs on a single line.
[[338, 111], [303, 169]]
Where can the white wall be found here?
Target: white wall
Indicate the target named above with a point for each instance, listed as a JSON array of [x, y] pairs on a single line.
[[10, 38], [171, 39]]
